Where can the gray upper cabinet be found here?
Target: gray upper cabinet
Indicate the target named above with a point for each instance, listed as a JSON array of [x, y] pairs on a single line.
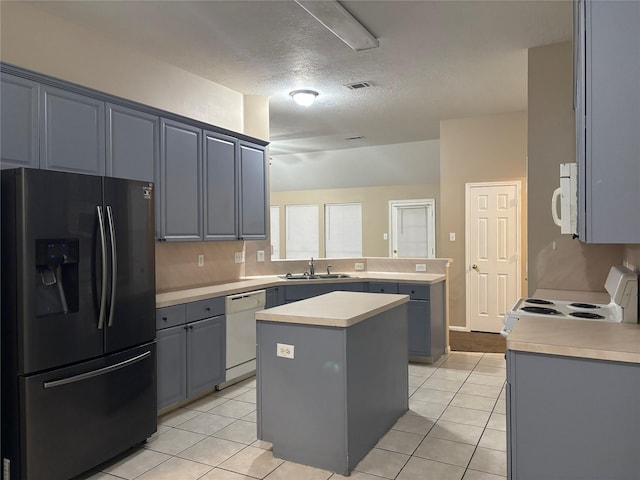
[[253, 195], [19, 138], [220, 187], [133, 140], [607, 102], [209, 184], [73, 131], [180, 181]]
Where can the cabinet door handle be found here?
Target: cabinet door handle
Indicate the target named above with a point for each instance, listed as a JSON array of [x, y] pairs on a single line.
[[164, 319], [208, 309]]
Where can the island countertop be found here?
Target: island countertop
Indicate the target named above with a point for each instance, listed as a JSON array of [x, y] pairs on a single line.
[[334, 309], [577, 338]]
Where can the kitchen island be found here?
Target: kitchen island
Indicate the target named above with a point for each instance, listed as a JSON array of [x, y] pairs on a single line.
[[572, 400], [332, 376]]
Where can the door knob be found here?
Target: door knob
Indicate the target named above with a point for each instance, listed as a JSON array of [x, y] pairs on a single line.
[[475, 267]]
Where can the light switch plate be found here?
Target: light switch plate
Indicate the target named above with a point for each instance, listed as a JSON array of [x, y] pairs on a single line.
[[452, 237], [201, 260], [284, 350]]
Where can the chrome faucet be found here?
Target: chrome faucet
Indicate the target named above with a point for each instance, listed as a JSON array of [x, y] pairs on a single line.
[[312, 267]]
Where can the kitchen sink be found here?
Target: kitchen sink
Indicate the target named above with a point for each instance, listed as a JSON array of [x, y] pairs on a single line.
[[319, 276]]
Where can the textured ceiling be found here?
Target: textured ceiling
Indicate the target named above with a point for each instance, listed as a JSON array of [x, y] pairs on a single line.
[[437, 59]]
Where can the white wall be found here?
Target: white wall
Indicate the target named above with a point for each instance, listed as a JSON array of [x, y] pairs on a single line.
[[399, 164], [35, 40]]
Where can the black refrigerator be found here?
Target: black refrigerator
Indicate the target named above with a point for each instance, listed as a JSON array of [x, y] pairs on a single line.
[[78, 321]]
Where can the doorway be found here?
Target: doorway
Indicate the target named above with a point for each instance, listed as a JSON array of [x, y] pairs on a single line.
[[493, 231], [412, 227]]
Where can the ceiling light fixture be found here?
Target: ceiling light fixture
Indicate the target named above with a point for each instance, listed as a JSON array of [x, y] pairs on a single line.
[[341, 23], [304, 97]]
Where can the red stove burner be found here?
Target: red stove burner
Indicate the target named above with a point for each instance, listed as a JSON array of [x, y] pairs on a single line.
[[538, 301], [541, 310], [584, 305], [588, 315]]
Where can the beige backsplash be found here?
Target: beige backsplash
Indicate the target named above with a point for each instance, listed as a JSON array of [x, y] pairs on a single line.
[[632, 257], [177, 264], [567, 264]]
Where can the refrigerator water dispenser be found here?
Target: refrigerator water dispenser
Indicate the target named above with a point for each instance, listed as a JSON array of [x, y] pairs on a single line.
[[56, 276]]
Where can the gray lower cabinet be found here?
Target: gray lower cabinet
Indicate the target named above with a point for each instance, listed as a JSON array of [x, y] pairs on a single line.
[[426, 332], [571, 418], [607, 74], [253, 193], [72, 132], [133, 140], [19, 124], [191, 349], [171, 344], [274, 297], [293, 293], [180, 186]]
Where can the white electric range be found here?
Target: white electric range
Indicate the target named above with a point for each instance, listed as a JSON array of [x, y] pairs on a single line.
[[621, 284]]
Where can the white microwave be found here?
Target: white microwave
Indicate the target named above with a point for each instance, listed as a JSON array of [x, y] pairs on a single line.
[[566, 196]]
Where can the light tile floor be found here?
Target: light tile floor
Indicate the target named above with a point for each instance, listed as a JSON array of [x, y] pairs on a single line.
[[454, 430]]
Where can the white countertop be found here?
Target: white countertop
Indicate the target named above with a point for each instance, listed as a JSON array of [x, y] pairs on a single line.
[[335, 309], [247, 284], [577, 338]]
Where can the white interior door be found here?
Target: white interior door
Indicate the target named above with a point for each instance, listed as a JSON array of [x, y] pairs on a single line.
[[493, 253], [412, 229]]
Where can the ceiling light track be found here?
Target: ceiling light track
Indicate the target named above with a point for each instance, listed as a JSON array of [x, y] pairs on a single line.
[[341, 23]]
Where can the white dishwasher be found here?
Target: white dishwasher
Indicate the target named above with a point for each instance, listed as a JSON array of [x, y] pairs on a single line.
[[240, 310]]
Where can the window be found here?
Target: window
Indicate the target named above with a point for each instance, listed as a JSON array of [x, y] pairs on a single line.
[[302, 231], [343, 230], [275, 233]]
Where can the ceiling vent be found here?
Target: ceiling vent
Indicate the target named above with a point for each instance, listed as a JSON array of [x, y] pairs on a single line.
[[359, 85]]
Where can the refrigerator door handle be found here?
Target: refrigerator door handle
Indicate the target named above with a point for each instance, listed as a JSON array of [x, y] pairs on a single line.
[[98, 372], [103, 291], [114, 264]]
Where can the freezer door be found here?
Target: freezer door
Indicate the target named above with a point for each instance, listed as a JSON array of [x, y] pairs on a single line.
[[78, 417], [130, 318], [56, 269]]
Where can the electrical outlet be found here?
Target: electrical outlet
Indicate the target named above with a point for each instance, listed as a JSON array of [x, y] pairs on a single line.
[[285, 351], [239, 257], [359, 267], [260, 256], [201, 260], [421, 267], [385, 236], [452, 236]]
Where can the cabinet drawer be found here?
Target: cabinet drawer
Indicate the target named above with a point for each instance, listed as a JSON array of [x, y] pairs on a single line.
[[383, 287], [416, 292], [210, 307], [170, 316]]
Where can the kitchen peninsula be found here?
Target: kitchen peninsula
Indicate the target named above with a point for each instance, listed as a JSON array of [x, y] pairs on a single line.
[[331, 376], [572, 399]]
